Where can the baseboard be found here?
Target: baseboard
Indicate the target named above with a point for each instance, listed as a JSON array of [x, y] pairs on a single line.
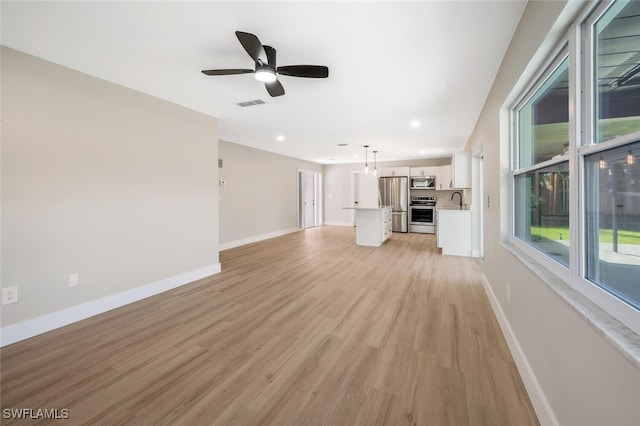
[[538, 399], [339, 224], [256, 238], [23, 330]]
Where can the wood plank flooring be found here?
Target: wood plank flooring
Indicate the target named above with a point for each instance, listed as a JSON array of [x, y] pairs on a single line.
[[304, 329]]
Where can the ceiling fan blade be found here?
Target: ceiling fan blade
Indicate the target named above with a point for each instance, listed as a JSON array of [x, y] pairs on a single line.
[[274, 88], [251, 44], [227, 72], [308, 71], [271, 55]]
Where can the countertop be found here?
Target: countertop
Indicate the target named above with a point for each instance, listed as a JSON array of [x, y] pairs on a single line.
[[453, 208], [365, 208]]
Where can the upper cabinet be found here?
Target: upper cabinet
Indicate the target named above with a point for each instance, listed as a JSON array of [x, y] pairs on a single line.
[[423, 171], [393, 171], [461, 170], [457, 175], [443, 178], [441, 173]]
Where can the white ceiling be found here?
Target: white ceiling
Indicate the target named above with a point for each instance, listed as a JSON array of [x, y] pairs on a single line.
[[390, 63]]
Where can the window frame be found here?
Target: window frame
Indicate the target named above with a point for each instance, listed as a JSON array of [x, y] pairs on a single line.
[[578, 44], [585, 29], [612, 304], [558, 56]]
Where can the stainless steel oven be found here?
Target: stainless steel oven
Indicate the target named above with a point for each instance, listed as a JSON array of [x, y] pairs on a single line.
[[422, 214]]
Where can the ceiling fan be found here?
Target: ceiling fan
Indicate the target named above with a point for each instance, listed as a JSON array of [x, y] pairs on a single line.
[[265, 65]]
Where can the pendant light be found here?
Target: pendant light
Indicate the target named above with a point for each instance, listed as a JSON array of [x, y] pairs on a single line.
[[602, 163], [366, 162], [630, 158], [375, 163]]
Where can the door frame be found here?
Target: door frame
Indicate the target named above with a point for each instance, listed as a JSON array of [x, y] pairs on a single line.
[[477, 203]]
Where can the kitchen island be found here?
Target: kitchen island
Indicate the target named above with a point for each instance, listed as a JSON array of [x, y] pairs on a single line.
[[373, 225]]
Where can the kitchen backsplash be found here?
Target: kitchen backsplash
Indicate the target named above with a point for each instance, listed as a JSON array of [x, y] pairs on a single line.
[[444, 197]]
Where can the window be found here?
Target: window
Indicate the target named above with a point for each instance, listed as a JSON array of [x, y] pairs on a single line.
[[613, 221], [542, 210], [541, 181], [585, 182], [543, 121], [611, 163], [617, 71]]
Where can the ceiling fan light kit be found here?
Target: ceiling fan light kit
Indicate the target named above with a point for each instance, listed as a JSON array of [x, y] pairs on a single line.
[[267, 72]]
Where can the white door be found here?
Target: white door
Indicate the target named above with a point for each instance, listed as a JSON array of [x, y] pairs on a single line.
[[478, 205], [309, 199]]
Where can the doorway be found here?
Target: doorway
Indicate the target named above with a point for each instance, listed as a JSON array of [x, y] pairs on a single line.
[[477, 204], [309, 199]]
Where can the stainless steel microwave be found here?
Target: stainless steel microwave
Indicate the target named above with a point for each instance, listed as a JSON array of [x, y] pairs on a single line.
[[423, 182]]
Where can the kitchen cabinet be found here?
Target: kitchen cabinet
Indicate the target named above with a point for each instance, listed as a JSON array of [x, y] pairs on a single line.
[[461, 170], [373, 226], [443, 177], [453, 232], [423, 171], [393, 171]]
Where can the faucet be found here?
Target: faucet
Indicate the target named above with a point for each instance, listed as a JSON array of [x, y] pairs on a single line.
[[460, 194]]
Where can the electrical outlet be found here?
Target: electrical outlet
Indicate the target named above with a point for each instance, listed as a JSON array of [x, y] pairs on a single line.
[[73, 280], [508, 293], [9, 295]]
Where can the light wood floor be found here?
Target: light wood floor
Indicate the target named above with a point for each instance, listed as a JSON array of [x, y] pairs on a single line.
[[304, 329]]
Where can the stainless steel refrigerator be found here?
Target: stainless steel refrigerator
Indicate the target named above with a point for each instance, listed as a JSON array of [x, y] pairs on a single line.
[[394, 192]]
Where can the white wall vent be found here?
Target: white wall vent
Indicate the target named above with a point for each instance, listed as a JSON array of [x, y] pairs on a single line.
[[251, 103]]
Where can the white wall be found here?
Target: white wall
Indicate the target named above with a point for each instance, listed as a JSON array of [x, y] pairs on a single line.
[[337, 193], [259, 198], [566, 363], [103, 181]]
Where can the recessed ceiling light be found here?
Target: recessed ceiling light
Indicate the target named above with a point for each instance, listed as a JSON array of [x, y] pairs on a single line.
[[280, 138], [343, 144], [415, 123], [424, 151], [355, 155]]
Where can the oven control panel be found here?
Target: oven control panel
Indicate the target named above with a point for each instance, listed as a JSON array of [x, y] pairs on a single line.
[[423, 200]]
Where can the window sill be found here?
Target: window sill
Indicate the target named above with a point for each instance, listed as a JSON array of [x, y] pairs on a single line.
[[615, 332]]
